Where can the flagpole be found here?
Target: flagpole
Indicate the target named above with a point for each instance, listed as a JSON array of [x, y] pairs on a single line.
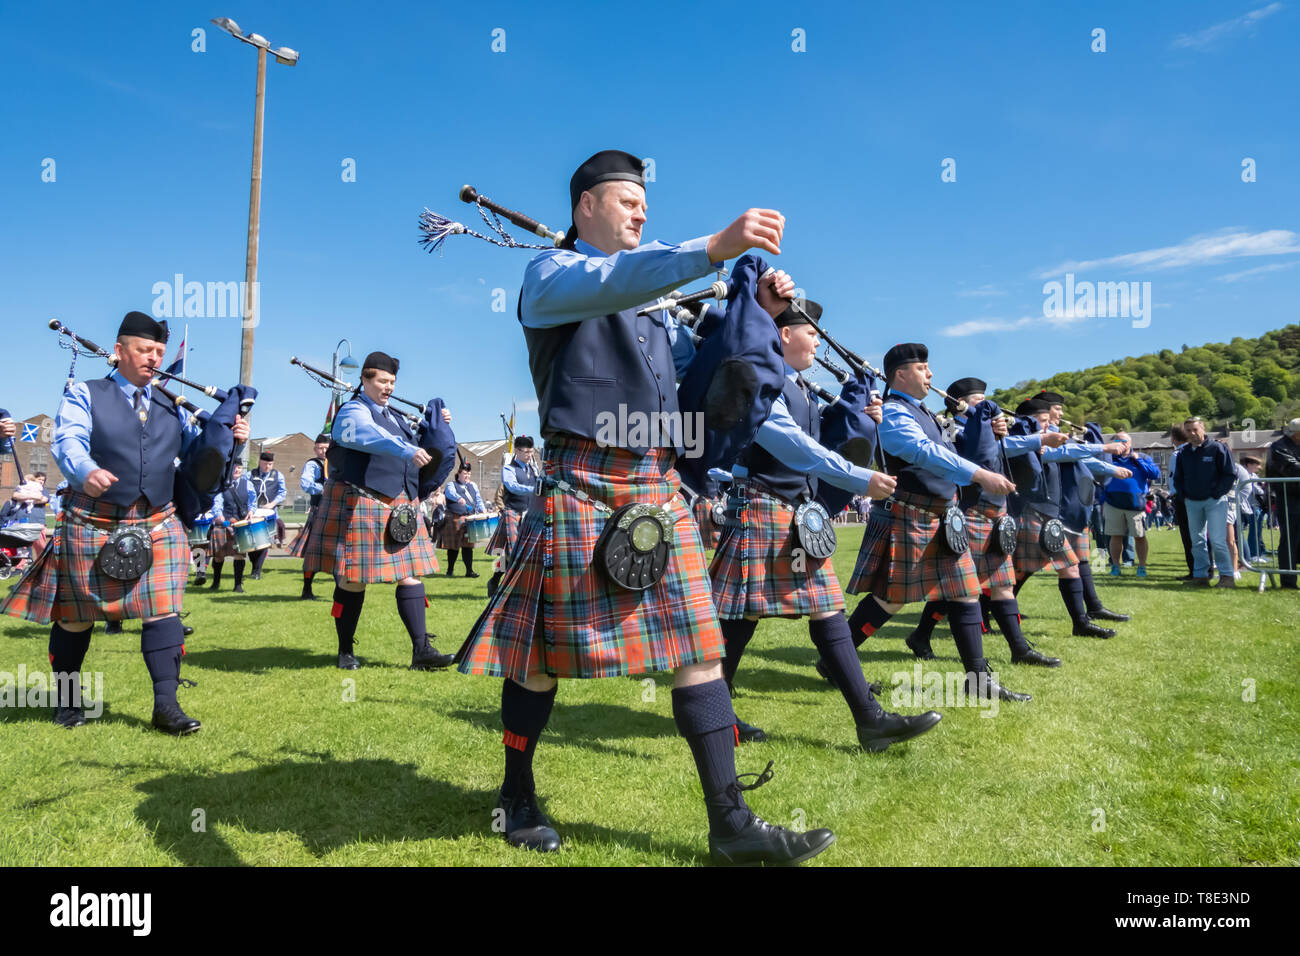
[[185, 356]]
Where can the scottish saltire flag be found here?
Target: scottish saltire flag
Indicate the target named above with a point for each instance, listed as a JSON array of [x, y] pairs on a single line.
[[29, 432]]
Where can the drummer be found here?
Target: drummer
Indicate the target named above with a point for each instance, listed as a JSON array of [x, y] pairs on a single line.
[[269, 486], [201, 543], [463, 502], [235, 503], [368, 530]]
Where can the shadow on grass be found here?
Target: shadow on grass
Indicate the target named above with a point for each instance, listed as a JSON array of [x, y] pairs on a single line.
[[255, 660], [45, 715], [588, 726], [328, 805]]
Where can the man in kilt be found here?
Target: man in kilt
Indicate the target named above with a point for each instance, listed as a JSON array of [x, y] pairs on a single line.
[[312, 481], [463, 503], [518, 481], [269, 486], [117, 439], [761, 568], [555, 614], [984, 440], [902, 557], [368, 507], [1038, 492], [235, 503]]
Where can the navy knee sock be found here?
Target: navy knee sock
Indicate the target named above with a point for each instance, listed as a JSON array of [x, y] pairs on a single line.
[[411, 604], [346, 612], [259, 558], [451, 560], [162, 643], [736, 634], [1090, 597], [1072, 594], [524, 714], [240, 564], [931, 615], [1007, 614], [67, 653], [704, 717], [832, 638], [964, 622], [868, 617], [467, 555]]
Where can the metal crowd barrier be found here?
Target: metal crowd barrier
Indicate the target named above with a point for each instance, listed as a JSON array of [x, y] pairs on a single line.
[[1278, 543]]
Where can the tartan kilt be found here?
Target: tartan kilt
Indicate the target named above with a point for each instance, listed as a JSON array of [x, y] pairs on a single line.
[[703, 511], [901, 559], [504, 537], [1030, 556], [221, 543], [299, 544], [1081, 544], [454, 535], [995, 569], [348, 540], [555, 614], [63, 584], [753, 569]]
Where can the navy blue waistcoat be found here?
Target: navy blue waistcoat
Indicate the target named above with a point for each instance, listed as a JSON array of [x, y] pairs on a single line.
[[768, 469], [516, 502], [385, 475], [141, 454], [265, 486], [585, 371], [234, 499], [320, 463], [986, 452], [913, 479]]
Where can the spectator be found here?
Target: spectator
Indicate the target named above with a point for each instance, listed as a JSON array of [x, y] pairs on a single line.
[[1179, 438], [1254, 501], [1205, 475], [1284, 462], [1124, 513]]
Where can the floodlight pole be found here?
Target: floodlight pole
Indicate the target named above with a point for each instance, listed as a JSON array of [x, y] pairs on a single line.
[[254, 216]]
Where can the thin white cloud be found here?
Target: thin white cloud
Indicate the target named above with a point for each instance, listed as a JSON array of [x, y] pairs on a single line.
[[1204, 39], [1258, 270], [985, 290], [982, 326], [1198, 250], [528, 406]]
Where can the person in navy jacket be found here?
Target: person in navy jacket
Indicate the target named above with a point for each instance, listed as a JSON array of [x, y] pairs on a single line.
[[1205, 477]]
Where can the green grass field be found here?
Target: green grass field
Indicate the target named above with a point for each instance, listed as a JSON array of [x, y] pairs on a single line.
[[1140, 751]]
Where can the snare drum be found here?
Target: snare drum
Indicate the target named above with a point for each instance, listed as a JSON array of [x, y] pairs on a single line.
[[480, 528], [251, 534], [198, 535]]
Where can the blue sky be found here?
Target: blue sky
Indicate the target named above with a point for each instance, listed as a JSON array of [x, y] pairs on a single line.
[[1123, 165]]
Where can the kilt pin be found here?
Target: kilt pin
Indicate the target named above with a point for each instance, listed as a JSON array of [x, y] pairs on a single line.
[[901, 558], [64, 583], [555, 614], [755, 573], [348, 540]]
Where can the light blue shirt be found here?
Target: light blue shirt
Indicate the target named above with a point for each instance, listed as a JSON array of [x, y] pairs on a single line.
[[781, 437], [520, 479], [311, 480], [355, 428], [1073, 451], [563, 286], [464, 499], [72, 428], [900, 434], [1173, 460]]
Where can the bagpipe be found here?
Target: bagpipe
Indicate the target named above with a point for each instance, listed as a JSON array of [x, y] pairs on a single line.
[[433, 434], [738, 369], [208, 465], [8, 446]]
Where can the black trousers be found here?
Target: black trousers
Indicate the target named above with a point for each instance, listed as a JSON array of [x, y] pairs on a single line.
[[1180, 515]]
